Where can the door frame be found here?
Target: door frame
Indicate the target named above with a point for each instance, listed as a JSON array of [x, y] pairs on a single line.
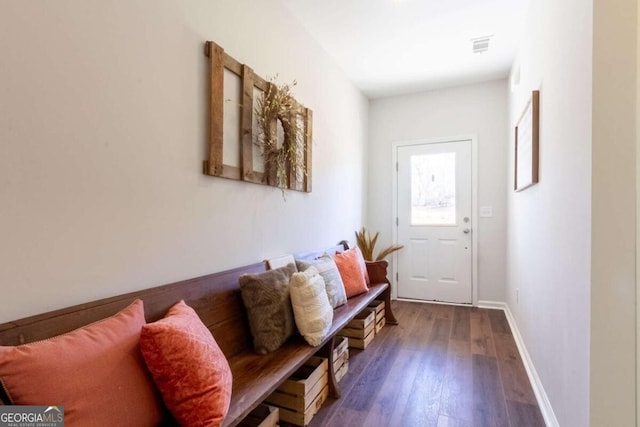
[[474, 205]]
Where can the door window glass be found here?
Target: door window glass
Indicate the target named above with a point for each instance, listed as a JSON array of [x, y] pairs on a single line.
[[433, 189]]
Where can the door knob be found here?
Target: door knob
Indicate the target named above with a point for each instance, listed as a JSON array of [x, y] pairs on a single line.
[[466, 231]]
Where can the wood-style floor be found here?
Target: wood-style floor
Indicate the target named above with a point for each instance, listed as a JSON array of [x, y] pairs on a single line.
[[441, 366]]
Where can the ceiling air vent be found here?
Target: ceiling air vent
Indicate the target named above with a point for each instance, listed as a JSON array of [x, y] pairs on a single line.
[[481, 44]]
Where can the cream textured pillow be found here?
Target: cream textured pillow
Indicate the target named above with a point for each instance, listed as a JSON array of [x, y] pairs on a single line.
[[311, 307], [332, 280]]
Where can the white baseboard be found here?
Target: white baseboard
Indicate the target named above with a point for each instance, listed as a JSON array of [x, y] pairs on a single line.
[[493, 305], [541, 396], [422, 301]]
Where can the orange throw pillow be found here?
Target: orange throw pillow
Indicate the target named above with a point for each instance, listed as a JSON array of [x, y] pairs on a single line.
[[188, 367], [363, 264], [95, 372], [351, 271]]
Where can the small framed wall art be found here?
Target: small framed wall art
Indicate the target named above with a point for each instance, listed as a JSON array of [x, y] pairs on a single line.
[[527, 145]]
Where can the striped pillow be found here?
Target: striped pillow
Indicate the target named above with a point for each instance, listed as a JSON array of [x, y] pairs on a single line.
[[332, 280]]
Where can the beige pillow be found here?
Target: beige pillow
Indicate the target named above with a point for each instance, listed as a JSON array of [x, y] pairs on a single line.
[[311, 307], [281, 261]]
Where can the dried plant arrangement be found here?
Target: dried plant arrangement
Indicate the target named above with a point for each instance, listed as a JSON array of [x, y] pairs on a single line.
[[279, 106], [268, 118], [367, 245]]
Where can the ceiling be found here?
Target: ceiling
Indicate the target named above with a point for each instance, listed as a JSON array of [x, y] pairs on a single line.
[[390, 47]]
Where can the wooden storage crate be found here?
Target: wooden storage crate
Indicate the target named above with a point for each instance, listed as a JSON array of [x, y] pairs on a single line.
[[361, 330], [341, 347], [340, 373], [301, 396], [361, 325], [361, 343], [262, 416], [380, 325], [379, 308], [341, 357]]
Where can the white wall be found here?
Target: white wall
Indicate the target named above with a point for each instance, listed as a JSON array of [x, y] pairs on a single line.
[[479, 109], [102, 135], [549, 225], [572, 236], [613, 257]]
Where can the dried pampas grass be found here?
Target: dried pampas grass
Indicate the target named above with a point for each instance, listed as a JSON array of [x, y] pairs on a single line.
[[367, 245]]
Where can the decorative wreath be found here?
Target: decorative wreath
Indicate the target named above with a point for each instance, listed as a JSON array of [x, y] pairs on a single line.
[[278, 105]]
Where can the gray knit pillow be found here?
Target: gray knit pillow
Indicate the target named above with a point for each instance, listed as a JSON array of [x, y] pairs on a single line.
[[266, 298], [328, 270]]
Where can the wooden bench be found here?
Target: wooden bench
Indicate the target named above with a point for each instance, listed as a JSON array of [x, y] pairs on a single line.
[[216, 298]]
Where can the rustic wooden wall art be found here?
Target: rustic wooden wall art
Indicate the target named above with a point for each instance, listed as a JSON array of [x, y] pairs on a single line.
[[234, 139], [527, 145]]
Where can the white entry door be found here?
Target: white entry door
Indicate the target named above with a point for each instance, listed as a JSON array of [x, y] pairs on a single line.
[[434, 221]]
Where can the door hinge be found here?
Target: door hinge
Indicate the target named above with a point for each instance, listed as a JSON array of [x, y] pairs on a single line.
[[396, 166], [397, 222], [397, 277]]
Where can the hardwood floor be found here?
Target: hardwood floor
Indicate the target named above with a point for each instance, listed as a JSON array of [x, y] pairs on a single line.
[[442, 366]]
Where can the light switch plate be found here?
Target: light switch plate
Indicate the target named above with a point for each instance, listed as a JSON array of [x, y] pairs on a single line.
[[486, 211]]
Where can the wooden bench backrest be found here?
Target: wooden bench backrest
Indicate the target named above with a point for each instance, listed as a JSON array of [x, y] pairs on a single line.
[[215, 297]]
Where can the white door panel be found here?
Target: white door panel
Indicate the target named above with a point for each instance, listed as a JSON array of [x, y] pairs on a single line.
[[420, 249], [434, 221]]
